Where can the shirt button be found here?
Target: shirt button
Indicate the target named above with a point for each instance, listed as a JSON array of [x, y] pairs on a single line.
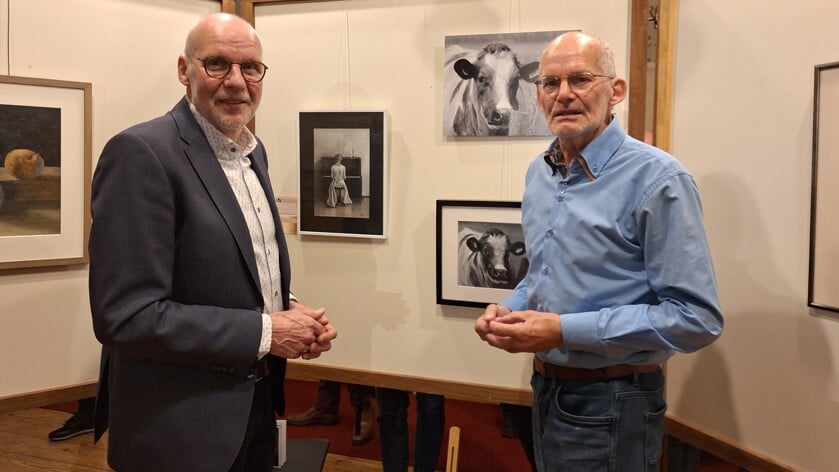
[[550, 232], [559, 198], [546, 270]]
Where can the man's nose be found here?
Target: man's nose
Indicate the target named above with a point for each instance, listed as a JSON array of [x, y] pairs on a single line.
[[235, 77]]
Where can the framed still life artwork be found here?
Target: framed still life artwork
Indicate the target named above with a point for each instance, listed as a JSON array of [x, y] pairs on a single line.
[[343, 189], [480, 251], [45, 143]]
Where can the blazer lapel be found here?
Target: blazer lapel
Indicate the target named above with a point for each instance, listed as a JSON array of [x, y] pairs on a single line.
[[203, 160]]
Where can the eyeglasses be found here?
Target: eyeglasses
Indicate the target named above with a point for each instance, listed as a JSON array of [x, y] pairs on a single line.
[[219, 68], [581, 82]]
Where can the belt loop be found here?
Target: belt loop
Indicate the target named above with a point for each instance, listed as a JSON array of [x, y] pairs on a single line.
[[636, 378]]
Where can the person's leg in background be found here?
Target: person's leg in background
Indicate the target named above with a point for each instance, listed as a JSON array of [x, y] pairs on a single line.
[[325, 410], [80, 423], [361, 398], [393, 428], [521, 417], [431, 422]]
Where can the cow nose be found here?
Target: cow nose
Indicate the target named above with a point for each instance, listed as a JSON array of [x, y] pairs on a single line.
[[500, 117], [498, 274]]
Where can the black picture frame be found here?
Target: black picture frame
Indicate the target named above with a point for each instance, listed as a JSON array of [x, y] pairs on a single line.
[[824, 203], [359, 137], [458, 221]]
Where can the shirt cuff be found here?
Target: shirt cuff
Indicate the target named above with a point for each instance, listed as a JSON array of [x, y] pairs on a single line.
[[265, 342], [579, 330]]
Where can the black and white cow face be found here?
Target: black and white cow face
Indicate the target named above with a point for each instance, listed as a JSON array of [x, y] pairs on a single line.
[[495, 76], [494, 250]]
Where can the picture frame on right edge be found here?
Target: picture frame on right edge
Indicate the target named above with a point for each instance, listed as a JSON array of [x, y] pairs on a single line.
[[343, 169], [824, 204], [480, 251]]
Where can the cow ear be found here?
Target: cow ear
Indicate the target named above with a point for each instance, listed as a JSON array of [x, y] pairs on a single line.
[[465, 69], [517, 248], [529, 72], [473, 244]]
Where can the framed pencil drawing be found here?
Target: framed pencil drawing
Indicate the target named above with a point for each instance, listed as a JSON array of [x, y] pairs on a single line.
[[343, 169], [45, 142], [824, 205], [480, 251]]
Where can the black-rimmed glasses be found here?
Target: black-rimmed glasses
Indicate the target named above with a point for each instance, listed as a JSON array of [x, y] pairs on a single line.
[[581, 82], [219, 67]]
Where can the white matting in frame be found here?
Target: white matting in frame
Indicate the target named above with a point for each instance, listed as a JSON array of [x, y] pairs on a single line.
[[343, 169], [45, 219], [456, 280]]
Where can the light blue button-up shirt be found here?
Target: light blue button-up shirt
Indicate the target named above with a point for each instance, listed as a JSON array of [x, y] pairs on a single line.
[[619, 251]]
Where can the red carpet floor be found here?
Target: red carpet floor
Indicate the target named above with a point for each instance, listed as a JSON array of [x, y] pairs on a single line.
[[482, 448]]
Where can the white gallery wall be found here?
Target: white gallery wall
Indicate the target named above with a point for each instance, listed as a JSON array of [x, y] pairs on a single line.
[[381, 54], [742, 123], [128, 50]]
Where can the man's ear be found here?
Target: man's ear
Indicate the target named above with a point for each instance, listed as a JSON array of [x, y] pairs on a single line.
[[618, 91], [182, 77]]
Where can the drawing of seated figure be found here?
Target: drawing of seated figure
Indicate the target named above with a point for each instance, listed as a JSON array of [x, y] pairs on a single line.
[[338, 192]]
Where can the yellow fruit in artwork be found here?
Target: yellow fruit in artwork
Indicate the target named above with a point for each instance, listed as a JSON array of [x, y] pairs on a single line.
[[24, 164]]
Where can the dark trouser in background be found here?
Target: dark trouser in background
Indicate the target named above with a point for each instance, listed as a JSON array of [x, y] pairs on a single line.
[[329, 396], [259, 449], [393, 429], [522, 418]]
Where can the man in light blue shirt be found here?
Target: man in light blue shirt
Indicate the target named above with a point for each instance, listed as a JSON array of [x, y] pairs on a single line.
[[620, 274]]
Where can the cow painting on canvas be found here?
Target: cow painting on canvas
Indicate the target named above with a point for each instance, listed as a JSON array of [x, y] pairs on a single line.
[[488, 83]]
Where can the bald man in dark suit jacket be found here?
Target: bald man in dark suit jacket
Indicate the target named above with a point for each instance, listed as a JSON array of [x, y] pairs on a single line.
[[189, 275]]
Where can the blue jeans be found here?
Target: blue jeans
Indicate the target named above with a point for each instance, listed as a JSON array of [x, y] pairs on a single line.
[[598, 426], [393, 429]]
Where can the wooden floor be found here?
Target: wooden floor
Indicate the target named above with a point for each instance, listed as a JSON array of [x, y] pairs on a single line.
[[24, 447]]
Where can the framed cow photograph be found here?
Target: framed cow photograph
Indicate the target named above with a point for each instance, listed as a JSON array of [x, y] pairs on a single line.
[[489, 84], [480, 251], [343, 169]]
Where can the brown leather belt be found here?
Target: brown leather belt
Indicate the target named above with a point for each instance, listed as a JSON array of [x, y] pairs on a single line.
[[553, 371]]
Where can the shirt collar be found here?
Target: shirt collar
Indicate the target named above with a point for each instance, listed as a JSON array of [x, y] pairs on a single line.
[[224, 147], [594, 156]]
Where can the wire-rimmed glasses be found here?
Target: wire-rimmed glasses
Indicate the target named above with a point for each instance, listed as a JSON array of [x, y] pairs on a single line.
[[579, 83]]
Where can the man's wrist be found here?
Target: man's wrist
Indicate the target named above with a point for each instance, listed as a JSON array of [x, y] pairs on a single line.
[[265, 340]]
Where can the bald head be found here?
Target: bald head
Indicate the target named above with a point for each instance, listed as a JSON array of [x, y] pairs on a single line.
[[583, 44], [580, 107], [223, 94], [215, 25]]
